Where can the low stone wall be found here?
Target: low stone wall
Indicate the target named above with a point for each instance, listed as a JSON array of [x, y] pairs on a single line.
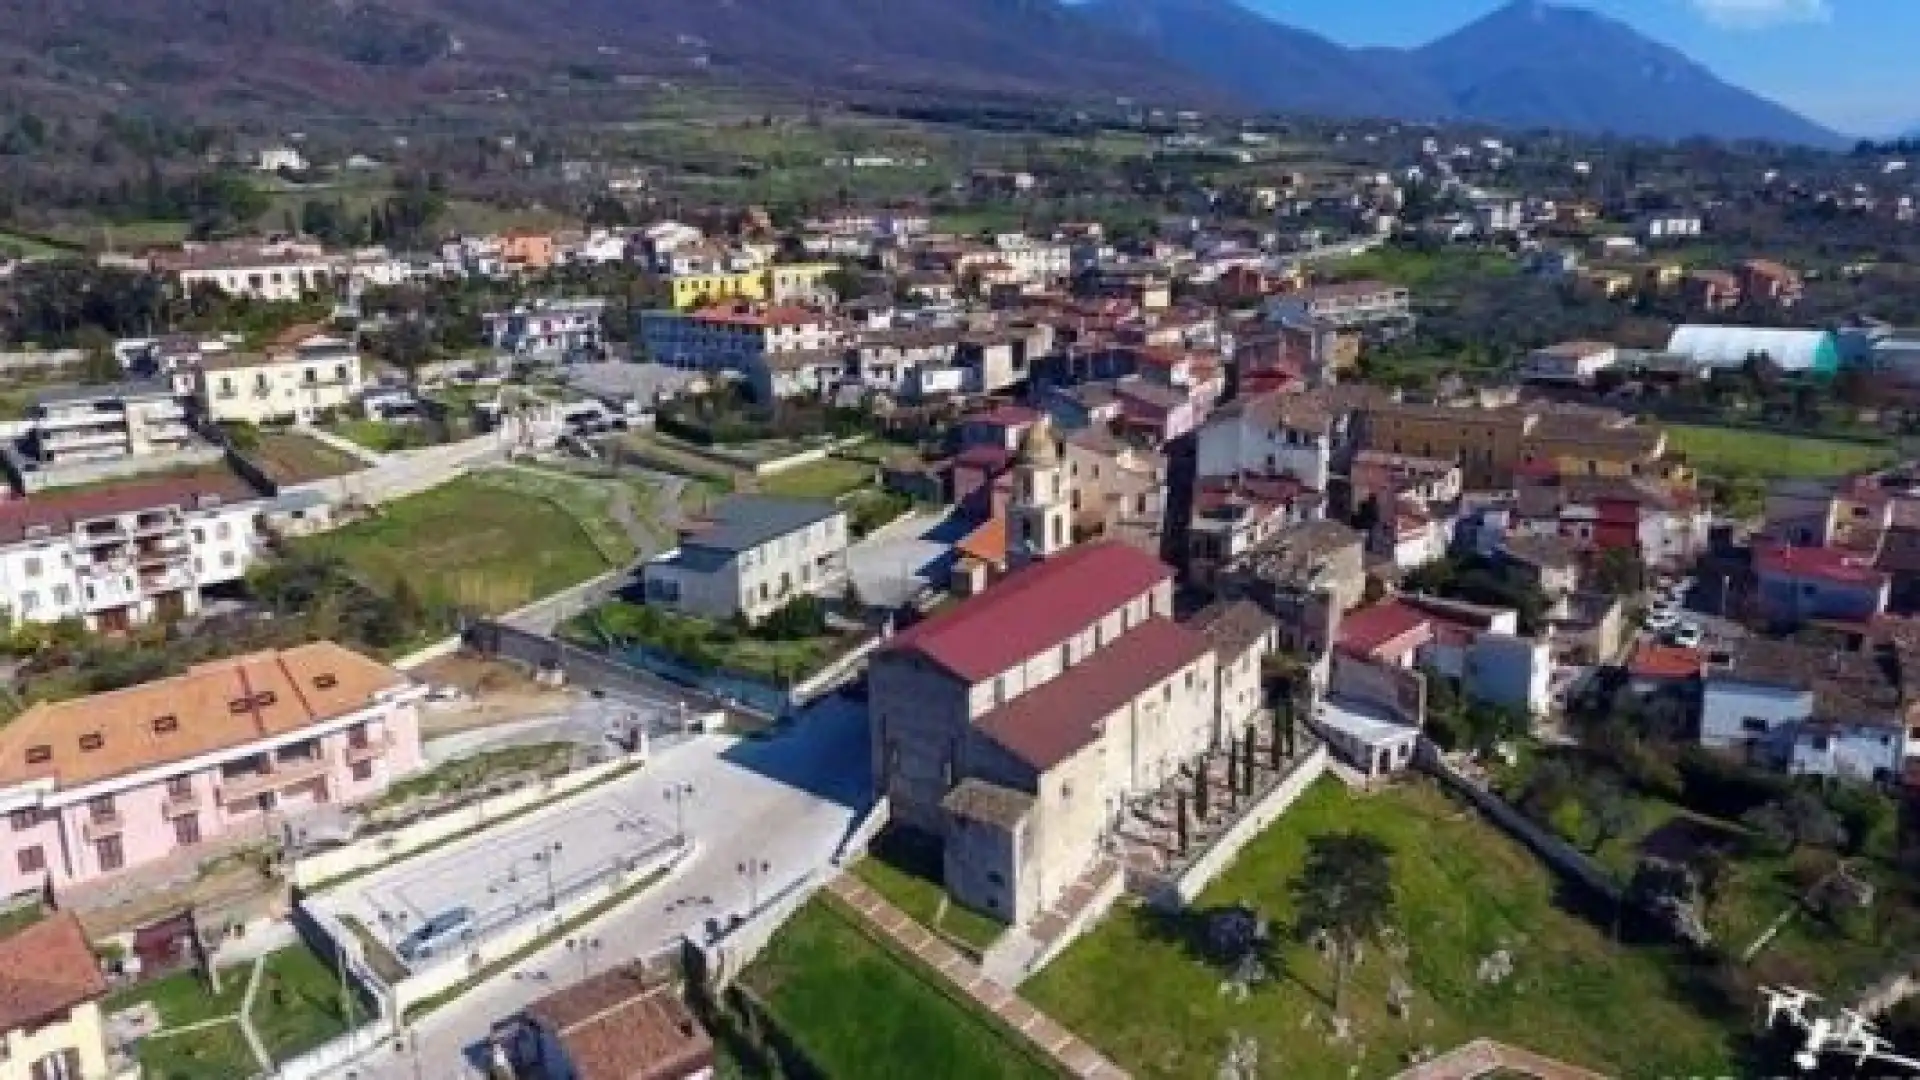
[[436, 980], [1183, 888], [1021, 960], [315, 870], [724, 959], [1563, 857], [855, 843]]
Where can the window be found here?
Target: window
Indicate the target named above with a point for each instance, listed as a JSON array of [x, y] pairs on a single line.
[[226, 559], [166, 723], [29, 601], [1753, 725], [62, 596], [92, 741], [186, 830], [33, 566], [24, 818], [362, 771], [109, 853], [327, 681], [994, 877], [223, 530], [1821, 744], [39, 755], [32, 860], [101, 809], [179, 787]]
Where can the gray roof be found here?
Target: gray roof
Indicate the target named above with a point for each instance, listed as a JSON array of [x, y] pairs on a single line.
[[989, 804], [61, 395], [744, 522]]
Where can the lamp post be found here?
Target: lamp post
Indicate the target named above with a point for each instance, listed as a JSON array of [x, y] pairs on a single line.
[[584, 948], [752, 870], [678, 794], [545, 858]]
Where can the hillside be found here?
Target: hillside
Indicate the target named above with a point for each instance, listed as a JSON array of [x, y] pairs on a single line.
[[1528, 64], [392, 54]]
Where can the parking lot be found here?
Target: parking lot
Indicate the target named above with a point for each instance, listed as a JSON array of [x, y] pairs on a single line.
[[505, 875]]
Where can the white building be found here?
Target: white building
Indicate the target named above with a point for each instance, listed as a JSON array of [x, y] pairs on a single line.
[[548, 329], [276, 158], [753, 555], [277, 271], [300, 376], [1271, 435], [106, 423], [1570, 362], [123, 555]]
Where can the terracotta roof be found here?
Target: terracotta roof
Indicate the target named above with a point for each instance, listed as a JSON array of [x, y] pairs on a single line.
[[988, 543], [59, 512], [1233, 626], [1050, 723], [45, 970], [293, 336], [1003, 416], [1367, 630], [1826, 564], [615, 1026], [1664, 662], [283, 692], [1033, 610]]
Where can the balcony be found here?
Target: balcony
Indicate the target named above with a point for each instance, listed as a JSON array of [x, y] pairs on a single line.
[[99, 828], [174, 806], [284, 774], [97, 533], [85, 440], [165, 581], [371, 749]]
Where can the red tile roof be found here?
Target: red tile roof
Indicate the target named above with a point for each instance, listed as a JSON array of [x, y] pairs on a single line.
[[1035, 609], [1051, 723], [45, 970], [63, 511], [1003, 416], [1664, 662], [1370, 629], [1827, 564]]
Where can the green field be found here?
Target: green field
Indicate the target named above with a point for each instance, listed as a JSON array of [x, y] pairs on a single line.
[[1139, 991], [588, 501], [861, 1012], [288, 457], [1742, 452], [218, 1052], [468, 543], [828, 478], [300, 1004], [912, 885]]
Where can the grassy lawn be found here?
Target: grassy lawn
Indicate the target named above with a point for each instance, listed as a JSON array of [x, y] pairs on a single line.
[[288, 457], [829, 478], [300, 1005], [219, 1052], [381, 437], [1464, 891], [468, 543], [1419, 270], [588, 501], [1718, 451], [182, 998], [705, 644], [907, 872], [125, 235], [26, 247], [858, 1010]]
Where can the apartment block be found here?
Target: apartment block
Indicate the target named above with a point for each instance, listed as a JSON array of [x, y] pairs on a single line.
[[101, 784], [79, 424]]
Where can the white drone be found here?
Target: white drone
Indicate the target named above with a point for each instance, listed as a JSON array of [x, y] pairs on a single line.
[[1846, 1033]]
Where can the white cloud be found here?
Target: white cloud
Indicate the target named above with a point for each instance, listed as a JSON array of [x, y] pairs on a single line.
[[1751, 14]]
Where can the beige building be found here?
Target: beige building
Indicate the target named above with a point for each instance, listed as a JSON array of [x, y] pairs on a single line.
[[1017, 725], [298, 377], [50, 993], [750, 557]]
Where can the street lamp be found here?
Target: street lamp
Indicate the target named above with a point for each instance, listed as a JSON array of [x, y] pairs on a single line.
[[408, 1043], [584, 948], [753, 870], [678, 794], [544, 859]]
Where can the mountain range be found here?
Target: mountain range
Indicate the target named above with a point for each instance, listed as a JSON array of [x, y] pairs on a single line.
[[1529, 64], [1526, 65]]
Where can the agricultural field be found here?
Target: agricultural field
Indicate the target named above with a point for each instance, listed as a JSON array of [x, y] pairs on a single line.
[[1770, 455]]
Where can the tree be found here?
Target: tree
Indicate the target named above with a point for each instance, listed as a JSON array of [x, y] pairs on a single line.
[[1799, 820], [1608, 813], [1621, 572], [1345, 894]]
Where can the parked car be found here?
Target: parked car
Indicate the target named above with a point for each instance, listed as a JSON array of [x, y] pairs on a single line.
[[1661, 620], [449, 925], [1687, 635]]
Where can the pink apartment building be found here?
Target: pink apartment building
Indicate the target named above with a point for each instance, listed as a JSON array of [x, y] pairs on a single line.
[[97, 785]]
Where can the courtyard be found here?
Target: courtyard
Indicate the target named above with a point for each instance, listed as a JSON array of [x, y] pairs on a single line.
[[1484, 949]]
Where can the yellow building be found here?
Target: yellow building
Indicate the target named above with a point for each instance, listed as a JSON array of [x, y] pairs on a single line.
[[1489, 444], [689, 291], [789, 283], [50, 991]]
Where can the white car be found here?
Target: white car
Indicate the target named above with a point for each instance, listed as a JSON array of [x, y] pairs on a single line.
[[1661, 620], [1687, 635]]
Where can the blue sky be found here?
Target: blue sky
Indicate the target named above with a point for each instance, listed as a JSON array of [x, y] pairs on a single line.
[[1853, 65]]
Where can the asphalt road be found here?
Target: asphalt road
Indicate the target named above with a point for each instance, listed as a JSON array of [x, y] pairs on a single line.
[[777, 807]]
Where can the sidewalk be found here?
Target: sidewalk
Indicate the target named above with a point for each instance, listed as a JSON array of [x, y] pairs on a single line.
[[344, 445], [1063, 1046]]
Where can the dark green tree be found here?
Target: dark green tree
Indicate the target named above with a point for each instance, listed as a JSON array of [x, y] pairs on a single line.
[[1344, 893]]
